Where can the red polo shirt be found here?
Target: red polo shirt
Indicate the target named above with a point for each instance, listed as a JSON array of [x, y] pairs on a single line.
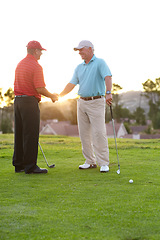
[[28, 77]]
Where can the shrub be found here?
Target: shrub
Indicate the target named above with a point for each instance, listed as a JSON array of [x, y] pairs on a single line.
[[6, 125]]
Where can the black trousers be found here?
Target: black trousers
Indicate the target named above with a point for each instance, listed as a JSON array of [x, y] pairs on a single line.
[[26, 132]]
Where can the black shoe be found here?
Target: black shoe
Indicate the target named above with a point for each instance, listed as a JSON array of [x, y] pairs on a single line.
[[19, 169], [38, 170]]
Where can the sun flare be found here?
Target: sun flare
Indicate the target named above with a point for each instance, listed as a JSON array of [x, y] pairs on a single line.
[[61, 99]]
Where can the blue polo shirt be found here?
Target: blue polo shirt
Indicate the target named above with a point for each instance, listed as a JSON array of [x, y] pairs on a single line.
[[91, 77]]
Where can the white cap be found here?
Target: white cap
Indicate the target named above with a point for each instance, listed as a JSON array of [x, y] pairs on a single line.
[[83, 44]]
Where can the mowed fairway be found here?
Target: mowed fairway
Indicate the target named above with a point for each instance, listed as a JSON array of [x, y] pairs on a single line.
[[68, 203]]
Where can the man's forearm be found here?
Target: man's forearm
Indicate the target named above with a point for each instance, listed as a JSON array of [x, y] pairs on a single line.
[[68, 88], [108, 81], [43, 91]]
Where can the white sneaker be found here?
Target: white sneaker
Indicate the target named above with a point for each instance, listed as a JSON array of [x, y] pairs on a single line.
[[104, 168], [86, 166]]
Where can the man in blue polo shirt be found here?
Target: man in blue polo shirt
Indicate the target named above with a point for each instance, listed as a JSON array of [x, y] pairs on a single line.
[[95, 83]]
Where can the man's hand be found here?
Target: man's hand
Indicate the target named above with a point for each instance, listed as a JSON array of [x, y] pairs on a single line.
[[109, 99], [54, 97], [43, 91]]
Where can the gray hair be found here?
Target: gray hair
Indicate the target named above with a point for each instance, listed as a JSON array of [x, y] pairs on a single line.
[[91, 48]]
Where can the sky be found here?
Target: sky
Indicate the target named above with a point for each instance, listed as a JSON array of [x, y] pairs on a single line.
[[125, 33]]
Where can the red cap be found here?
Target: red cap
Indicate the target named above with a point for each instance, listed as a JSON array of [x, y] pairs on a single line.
[[34, 45]]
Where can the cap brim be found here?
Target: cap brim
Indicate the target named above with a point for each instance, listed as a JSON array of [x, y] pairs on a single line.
[[77, 48]]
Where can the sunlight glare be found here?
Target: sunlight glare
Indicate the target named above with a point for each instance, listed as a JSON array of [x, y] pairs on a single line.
[[61, 99], [68, 96]]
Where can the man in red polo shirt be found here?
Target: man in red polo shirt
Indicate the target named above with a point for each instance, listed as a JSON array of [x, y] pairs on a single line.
[[29, 85]]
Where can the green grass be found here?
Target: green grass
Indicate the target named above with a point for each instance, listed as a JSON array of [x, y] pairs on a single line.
[[68, 203]]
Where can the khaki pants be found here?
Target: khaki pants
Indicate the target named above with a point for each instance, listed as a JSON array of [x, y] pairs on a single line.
[[92, 131]]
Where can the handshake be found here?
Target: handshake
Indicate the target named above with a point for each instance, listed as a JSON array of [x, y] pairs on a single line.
[[54, 97]]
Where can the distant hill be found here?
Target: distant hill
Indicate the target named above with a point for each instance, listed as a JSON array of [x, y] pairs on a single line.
[[134, 99]]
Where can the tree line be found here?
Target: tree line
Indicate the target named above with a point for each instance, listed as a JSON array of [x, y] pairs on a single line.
[[67, 111]]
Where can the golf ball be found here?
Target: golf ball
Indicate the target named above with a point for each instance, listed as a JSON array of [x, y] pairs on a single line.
[[130, 181]]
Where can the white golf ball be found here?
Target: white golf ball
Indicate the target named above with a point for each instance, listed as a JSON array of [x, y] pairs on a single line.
[[130, 181]]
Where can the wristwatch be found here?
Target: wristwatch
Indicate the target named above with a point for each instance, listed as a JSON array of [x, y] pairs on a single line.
[[108, 92]]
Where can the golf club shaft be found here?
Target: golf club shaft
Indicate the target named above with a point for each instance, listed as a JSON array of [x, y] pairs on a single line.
[[43, 154], [114, 135]]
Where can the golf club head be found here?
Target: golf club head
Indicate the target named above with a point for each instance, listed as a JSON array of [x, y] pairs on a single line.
[[52, 166], [118, 171]]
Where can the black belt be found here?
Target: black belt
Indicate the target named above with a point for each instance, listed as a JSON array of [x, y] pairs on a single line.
[[91, 98], [22, 96]]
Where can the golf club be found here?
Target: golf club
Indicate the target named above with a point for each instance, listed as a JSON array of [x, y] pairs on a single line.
[[118, 171], [50, 166]]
